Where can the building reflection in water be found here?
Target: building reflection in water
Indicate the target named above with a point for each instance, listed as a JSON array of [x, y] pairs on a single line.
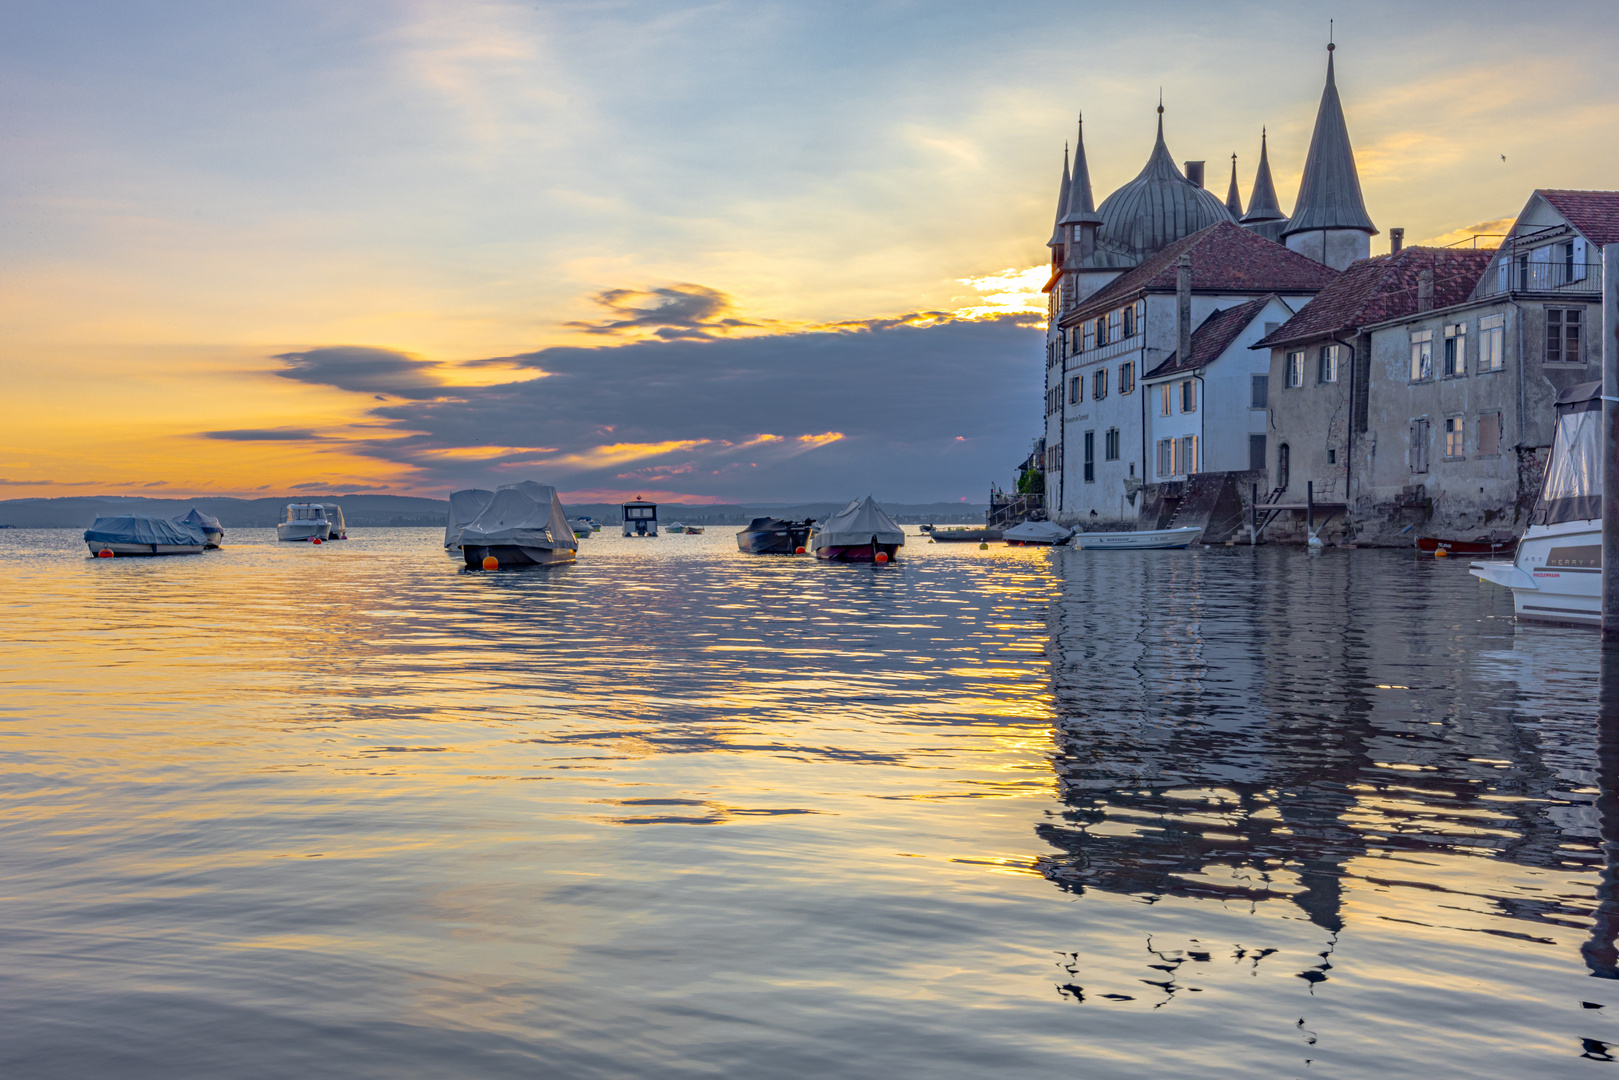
[[1276, 729]]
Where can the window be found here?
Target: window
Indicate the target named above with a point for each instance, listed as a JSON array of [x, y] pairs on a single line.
[[1455, 350], [1256, 452], [1489, 434], [1114, 318], [1421, 355], [1491, 335], [1101, 330], [1130, 321], [1295, 369], [1327, 367], [1090, 457], [1188, 395], [1076, 389], [1284, 466], [1177, 457], [1259, 392], [1166, 396], [1332, 455], [1099, 384], [1089, 340], [1110, 444], [1563, 335], [1127, 377], [1455, 430], [1419, 446], [1054, 458]]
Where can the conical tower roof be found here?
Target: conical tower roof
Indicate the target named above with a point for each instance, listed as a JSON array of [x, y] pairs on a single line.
[[1233, 197], [1262, 204], [1158, 207], [1062, 202], [1081, 206], [1329, 194]]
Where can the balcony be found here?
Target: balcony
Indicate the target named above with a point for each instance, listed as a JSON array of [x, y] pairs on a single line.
[[1556, 278]]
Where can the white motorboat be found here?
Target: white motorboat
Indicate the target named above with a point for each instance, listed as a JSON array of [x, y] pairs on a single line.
[[334, 516], [1556, 575], [584, 526], [640, 518], [1036, 534], [1144, 540], [675, 527], [465, 506], [304, 521]]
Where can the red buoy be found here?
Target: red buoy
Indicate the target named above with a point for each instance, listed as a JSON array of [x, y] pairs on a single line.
[[314, 539], [882, 556], [104, 553], [491, 563], [798, 550]]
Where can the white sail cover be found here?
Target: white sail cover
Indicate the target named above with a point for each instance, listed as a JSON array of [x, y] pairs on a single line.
[[861, 522], [1037, 532], [523, 515], [464, 507]]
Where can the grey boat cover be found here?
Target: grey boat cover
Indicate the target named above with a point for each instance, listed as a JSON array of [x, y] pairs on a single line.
[[139, 529], [464, 507], [205, 522], [861, 522], [1037, 532], [522, 515], [1572, 488]]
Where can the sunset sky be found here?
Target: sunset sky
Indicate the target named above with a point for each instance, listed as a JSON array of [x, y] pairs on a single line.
[[710, 252]]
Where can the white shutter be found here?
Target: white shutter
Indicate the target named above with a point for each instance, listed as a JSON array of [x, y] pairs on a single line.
[[1579, 259], [1503, 272]]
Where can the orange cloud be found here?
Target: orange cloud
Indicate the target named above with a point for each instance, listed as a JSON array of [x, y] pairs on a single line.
[[820, 440]]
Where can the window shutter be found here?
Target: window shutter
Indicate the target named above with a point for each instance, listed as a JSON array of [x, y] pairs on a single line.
[[1579, 259]]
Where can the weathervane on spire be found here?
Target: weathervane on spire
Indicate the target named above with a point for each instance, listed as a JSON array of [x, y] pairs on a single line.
[[1330, 45], [1160, 101]]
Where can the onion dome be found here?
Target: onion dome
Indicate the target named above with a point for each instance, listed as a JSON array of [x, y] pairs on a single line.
[[1158, 207]]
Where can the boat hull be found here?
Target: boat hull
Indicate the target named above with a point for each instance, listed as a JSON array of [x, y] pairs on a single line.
[[510, 555], [1556, 576], [860, 553], [1466, 547], [965, 536], [303, 530], [98, 546], [1146, 540]]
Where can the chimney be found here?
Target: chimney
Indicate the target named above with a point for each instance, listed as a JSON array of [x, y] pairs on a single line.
[[1425, 291], [1183, 309], [1396, 241], [1194, 172]]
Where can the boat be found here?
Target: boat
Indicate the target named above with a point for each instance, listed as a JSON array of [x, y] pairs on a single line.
[[584, 526], [640, 518], [1556, 575], [773, 536], [962, 535], [334, 514], [523, 525], [135, 534], [1036, 533], [674, 527], [1483, 545], [304, 521], [213, 533], [860, 532], [465, 506], [1144, 540], [694, 530]]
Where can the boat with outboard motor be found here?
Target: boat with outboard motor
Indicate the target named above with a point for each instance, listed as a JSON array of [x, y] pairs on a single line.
[[305, 521], [773, 536], [640, 518], [961, 534], [212, 531], [137, 534], [465, 506], [1556, 575], [860, 532], [522, 525], [1036, 534], [1144, 540]]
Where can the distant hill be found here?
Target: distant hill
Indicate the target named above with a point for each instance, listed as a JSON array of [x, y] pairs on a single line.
[[403, 511]]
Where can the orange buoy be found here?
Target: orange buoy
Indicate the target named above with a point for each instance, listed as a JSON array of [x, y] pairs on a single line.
[[1441, 553], [104, 553], [314, 539], [798, 550], [491, 563], [882, 556]]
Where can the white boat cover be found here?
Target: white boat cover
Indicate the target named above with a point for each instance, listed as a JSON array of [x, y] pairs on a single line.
[[464, 507], [1037, 532], [525, 514], [861, 522], [205, 522], [138, 529]]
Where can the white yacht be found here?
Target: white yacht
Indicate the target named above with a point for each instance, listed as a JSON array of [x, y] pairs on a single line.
[[1556, 575], [304, 521], [640, 518]]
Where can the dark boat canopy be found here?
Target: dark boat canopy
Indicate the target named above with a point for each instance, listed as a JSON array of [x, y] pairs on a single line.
[[1581, 397]]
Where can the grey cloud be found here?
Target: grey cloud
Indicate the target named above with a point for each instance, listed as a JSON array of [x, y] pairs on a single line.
[[669, 312], [364, 370], [263, 435]]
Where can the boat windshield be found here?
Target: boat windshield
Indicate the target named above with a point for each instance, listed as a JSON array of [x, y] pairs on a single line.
[[635, 513], [1573, 487]]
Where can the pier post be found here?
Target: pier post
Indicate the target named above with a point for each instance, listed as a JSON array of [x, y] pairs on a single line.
[[1309, 508], [1610, 443], [1253, 517]]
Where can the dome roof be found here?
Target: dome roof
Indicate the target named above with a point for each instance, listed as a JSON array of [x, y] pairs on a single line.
[[1158, 207]]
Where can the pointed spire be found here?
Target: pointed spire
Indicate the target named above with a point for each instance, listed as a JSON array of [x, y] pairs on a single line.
[[1262, 202], [1081, 206], [1329, 194], [1233, 197], [1062, 201]]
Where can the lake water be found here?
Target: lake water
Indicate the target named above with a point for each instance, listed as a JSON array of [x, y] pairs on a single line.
[[673, 811]]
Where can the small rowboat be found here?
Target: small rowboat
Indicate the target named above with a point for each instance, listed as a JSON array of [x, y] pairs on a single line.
[[1136, 541], [1482, 546]]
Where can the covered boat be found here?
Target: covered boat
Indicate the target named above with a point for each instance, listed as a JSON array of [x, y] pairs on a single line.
[[304, 521], [135, 534], [1041, 533], [858, 533], [640, 518], [465, 505], [209, 525], [773, 536], [334, 515], [523, 525], [1556, 575]]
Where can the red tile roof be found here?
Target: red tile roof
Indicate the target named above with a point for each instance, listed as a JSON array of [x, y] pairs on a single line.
[[1594, 213], [1225, 258], [1384, 287], [1211, 339]]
